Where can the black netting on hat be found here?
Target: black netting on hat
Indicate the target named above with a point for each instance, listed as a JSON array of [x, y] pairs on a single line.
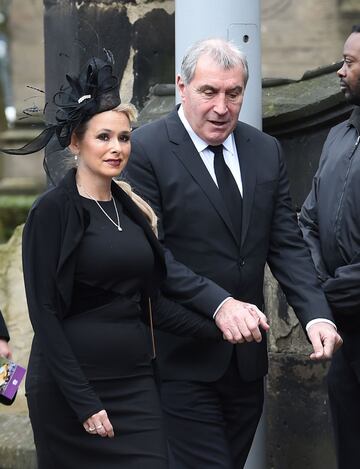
[[95, 90]]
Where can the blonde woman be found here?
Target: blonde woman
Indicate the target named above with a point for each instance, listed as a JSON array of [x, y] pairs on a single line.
[[91, 261]]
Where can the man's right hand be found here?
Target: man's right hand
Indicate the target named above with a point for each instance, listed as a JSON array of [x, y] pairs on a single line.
[[241, 322]]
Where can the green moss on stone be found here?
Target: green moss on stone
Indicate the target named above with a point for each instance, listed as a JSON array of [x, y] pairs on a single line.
[[13, 212]]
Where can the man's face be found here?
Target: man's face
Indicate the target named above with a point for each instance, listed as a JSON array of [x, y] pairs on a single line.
[[213, 99], [349, 73]]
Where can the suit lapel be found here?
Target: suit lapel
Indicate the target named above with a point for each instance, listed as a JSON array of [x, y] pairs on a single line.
[[247, 160], [186, 152]]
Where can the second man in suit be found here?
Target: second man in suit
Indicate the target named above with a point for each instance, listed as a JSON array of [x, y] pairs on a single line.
[[221, 192]]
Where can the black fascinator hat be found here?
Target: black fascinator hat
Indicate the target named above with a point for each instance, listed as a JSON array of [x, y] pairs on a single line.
[[95, 90]]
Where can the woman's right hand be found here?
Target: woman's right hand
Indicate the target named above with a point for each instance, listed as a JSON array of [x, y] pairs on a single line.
[[99, 424], [4, 349]]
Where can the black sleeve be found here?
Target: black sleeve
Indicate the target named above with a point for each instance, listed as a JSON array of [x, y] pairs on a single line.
[[41, 250], [342, 290], [289, 258], [4, 334], [308, 222], [171, 317]]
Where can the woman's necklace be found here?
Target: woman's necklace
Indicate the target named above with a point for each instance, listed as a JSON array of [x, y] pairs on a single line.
[[103, 211]]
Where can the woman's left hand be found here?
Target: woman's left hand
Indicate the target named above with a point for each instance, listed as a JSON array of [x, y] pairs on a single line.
[[99, 424]]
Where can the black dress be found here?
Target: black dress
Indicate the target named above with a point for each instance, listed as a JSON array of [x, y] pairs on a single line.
[[106, 332]]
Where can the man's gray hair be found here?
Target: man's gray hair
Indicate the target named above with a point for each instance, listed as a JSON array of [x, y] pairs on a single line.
[[225, 53]]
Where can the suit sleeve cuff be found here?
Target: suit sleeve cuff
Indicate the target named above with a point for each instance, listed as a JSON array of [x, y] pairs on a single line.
[[220, 305]]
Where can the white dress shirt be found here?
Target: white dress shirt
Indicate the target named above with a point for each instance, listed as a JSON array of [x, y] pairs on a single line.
[[230, 153]]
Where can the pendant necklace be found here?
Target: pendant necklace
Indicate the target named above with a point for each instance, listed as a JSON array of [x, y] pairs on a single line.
[[103, 211]]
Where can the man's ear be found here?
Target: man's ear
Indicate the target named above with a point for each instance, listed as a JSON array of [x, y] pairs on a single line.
[[181, 85]]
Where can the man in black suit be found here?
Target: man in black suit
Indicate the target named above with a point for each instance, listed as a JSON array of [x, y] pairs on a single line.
[[330, 220], [224, 211], [4, 339]]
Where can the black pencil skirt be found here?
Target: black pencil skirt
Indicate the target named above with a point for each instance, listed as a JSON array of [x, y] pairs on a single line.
[[120, 371]]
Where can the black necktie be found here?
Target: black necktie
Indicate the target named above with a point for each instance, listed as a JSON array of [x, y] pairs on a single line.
[[228, 188]]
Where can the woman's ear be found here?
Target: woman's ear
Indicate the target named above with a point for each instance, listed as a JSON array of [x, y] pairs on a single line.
[[74, 144]]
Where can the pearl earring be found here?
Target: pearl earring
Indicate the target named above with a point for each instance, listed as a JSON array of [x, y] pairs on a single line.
[[75, 157]]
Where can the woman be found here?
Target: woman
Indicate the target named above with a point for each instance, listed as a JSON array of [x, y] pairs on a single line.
[[90, 259]]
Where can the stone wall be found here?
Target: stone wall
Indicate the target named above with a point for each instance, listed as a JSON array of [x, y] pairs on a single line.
[[296, 36], [297, 415], [16, 439], [14, 309], [302, 35]]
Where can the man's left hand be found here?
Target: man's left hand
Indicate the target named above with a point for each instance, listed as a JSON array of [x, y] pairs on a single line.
[[324, 339]]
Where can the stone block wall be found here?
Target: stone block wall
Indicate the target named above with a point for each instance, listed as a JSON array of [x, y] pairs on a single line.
[[302, 35], [14, 309], [297, 415], [296, 36]]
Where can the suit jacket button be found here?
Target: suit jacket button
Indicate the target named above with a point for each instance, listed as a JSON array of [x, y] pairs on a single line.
[[241, 262]]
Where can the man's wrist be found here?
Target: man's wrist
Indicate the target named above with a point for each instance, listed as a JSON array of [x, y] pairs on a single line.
[[318, 320], [220, 305]]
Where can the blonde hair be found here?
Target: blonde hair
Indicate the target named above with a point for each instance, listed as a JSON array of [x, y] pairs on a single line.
[[130, 111], [143, 206]]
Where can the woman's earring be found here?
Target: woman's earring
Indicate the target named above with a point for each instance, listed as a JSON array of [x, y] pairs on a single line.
[[75, 157]]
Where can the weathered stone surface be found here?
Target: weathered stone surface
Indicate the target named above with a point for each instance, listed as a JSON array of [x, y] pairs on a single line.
[[154, 60], [14, 308], [301, 35], [298, 426], [316, 92], [16, 442], [286, 335], [13, 212], [160, 103], [297, 419]]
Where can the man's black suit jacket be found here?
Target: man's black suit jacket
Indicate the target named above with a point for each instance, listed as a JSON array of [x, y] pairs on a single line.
[[206, 262]]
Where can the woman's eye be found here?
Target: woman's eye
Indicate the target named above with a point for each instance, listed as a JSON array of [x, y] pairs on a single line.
[[103, 137], [124, 138]]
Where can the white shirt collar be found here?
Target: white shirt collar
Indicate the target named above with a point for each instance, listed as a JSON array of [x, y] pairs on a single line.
[[199, 143]]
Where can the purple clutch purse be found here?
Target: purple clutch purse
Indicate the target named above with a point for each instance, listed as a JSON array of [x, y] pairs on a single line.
[[11, 375]]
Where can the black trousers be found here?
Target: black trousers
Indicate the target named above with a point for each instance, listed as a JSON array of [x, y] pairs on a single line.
[[211, 425], [344, 398]]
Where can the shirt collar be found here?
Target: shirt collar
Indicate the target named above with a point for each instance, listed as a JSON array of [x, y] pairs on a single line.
[[200, 144]]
